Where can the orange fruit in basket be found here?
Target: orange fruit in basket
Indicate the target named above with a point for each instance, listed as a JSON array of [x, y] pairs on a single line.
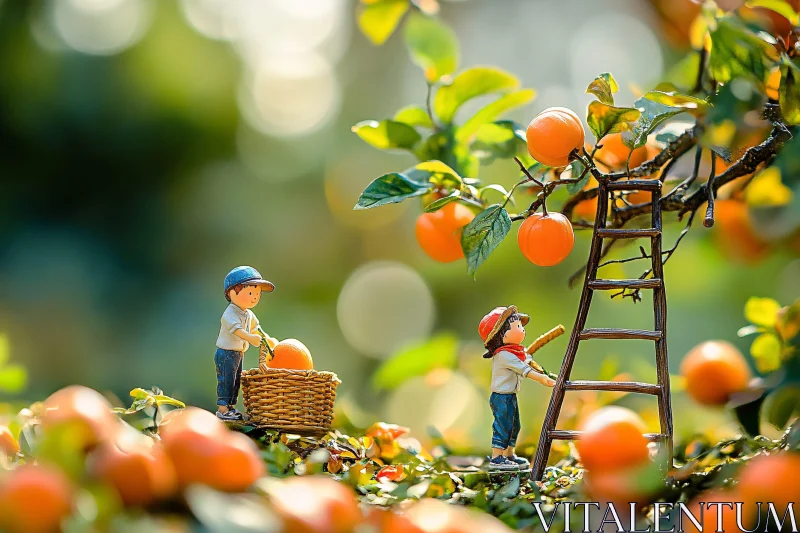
[[291, 354], [439, 233], [714, 370], [612, 438], [140, 472], [8, 443], [34, 499], [84, 408], [546, 240], [553, 134]]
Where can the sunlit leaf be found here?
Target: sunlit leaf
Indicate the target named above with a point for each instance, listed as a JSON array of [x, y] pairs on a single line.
[[577, 170], [738, 52], [749, 330], [471, 83], [387, 134], [416, 360], [140, 394], [162, 399], [652, 115], [503, 139], [492, 112], [13, 378], [766, 352], [761, 311], [604, 119], [781, 7], [789, 93], [691, 104], [497, 188], [766, 189], [379, 19], [485, 233], [440, 174], [603, 87], [414, 116], [441, 202], [433, 46], [390, 189]]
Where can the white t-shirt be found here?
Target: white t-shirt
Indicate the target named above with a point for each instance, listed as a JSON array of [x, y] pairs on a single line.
[[507, 370], [235, 318]]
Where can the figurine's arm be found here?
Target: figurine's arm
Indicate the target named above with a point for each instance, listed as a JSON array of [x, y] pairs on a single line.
[[234, 325], [252, 338], [541, 378]]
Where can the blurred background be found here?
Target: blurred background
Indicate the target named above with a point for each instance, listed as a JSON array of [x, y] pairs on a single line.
[[149, 146]]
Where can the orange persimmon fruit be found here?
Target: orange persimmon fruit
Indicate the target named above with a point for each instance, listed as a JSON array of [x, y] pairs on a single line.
[[612, 438], [439, 233], [553, 134], [35, 499], [714, 370], [546, 240], [291, 354]]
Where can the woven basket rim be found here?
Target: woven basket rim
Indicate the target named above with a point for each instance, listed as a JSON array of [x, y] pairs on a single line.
[[254, 373]]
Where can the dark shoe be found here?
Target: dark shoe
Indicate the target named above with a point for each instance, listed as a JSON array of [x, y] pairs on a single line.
[[521, 461], [229, 416], [502, 464]]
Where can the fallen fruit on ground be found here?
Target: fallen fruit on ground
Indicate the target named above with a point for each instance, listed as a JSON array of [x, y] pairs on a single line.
[[315, 505], [714, 370], [546, 240], [553, 134], [34, 499], [83, 408], [612, 438], [291, 354], [439, 233]]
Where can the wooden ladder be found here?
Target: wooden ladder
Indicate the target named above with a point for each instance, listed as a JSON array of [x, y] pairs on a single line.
[[579, 333]]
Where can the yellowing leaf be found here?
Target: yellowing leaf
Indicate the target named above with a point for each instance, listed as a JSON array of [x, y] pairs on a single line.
[[603, 87], [720, 134], [766, 351], [380, 18], [767, 190], [789, 92], [781, 7], [604, 119], [761, 311]]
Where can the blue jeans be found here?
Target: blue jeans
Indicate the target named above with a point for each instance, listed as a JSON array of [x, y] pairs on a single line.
[[506, 420], [229, 374]]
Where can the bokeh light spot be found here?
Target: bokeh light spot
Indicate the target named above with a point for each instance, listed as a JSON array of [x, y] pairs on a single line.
[[101, 27]]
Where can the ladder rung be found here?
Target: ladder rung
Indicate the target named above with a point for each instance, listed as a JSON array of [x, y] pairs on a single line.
[[565, 434], [614, 333], [634, 185], [613, 233], [610, 284], [615, 386]]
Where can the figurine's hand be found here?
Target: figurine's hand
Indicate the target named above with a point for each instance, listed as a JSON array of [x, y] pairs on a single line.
[[550, 382]]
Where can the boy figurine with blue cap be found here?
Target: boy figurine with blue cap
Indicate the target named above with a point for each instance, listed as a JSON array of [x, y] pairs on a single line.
[[239, 329]]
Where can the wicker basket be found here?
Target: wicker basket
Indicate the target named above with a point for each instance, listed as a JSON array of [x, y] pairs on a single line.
[[293, 401]]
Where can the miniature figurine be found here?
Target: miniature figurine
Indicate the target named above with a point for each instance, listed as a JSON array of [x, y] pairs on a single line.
[[503, 331], [238, 330]]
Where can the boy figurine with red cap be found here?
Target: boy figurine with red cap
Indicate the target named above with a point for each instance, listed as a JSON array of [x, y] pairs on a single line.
[[503, 331]]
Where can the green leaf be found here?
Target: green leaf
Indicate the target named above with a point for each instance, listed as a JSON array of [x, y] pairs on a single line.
[[162, 399], [781, 7], [471, 83], [440, 351], [390, 188], [481, 236], [738, 52], [440, 174], [762, 311], [690, 104], [492, 112], [766, 351], [783, 404], [604, 119], [502, 139], [603, 87], [577, 170], [653, 114], [789, 93], [721, 151], [13, 378], [379, 19], [387, 134], [414, 116], [433, 46], [497, 188], [140, 394], [746, 406], [441, 202]]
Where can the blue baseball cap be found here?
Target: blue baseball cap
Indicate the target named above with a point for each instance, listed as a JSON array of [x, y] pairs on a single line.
[[247, 275]]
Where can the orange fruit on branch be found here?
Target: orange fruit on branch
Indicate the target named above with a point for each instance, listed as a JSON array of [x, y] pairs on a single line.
[[315, 505], [81, 407], [614, 154], [553, 134], [612, 438], [439, 233], [707, 516], [713, 371], [771, 478], [291, 354], [35, 499], [546, 240]]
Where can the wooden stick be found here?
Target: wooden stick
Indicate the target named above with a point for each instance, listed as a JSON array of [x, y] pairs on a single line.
[[545, 338]]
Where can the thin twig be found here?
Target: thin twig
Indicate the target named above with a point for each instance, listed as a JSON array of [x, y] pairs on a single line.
[[708, 221]]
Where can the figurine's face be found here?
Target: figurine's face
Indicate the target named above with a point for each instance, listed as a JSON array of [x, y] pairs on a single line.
[[247, 298], [515, 333]]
